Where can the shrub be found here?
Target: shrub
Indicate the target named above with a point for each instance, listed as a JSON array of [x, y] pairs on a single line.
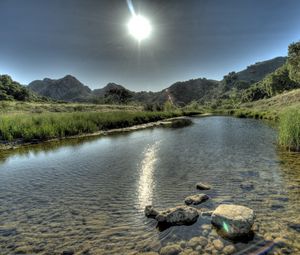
[[289, 129]]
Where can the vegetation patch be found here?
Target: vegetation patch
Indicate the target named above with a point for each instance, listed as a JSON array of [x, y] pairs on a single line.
[[289, 129], [30, 127]]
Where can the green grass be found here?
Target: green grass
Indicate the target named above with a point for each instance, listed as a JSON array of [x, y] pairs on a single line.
[[14, 107], [30, 127], [289, 129]]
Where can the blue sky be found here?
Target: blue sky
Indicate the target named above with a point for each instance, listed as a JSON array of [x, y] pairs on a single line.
[[190, 39]]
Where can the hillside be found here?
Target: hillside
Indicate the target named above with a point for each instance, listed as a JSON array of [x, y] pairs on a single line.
[[201, 90], [67, 88], [259, 70], [252, 74], [12, 90]]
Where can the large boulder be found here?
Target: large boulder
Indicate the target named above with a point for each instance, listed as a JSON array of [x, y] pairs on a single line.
[[196, 199], [180, 215], [234, 221]]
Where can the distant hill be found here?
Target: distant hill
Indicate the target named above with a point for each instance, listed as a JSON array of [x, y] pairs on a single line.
[[180, 93], [253, 73], [284, 78], [259, 70], [67, 88], [12, 90]]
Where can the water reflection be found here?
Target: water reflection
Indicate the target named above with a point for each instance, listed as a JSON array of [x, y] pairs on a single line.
[[146, 182]]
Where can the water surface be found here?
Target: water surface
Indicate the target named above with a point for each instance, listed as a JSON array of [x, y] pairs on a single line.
[[88, 196]]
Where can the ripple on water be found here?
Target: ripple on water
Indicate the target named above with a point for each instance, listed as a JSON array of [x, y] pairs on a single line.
[[89, 195]]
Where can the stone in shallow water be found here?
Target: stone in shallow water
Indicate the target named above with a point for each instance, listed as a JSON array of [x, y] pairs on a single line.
[[196, 199], [202, 186], [178, 215], [218, 244], [229, 249], [234, 221], [197, 241], [172, 249], [150, 211]]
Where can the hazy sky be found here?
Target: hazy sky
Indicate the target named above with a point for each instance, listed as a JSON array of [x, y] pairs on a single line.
[[190, 39]]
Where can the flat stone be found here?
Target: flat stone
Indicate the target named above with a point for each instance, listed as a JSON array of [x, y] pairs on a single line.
[[196, 199], [172, 249], [202, 186], [233, 220], [197, 241], [179, 215], [229, 249], [218, 244]]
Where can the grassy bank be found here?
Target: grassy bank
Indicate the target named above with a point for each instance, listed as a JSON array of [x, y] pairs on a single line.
[[289, 129], [30, 127], [16, 107]]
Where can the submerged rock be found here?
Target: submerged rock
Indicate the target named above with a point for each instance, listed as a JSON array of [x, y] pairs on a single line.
[[172, 249], [229, 249], [234, 221], [218, 244], [179, 215], [202, 186], [150, 212], [197, 241], [196, 199]]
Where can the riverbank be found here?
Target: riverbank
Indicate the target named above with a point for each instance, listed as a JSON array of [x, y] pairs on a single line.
[[26, 130]]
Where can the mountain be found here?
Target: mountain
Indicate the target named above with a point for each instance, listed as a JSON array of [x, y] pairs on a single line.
[[180, 93], [259, 70], [67, 88], [253, 73], [12, 90]]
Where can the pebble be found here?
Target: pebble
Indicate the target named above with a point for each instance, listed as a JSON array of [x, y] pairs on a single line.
[[218, 244]]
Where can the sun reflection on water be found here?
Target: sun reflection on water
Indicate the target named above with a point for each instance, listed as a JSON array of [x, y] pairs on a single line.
[[146, 182]]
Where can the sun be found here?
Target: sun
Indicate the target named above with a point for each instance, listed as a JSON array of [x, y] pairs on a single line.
[[139, 27]]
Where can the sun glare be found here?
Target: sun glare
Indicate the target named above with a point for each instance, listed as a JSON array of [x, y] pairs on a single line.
[[139, 27]]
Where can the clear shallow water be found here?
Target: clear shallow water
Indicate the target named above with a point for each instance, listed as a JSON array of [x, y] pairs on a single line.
[[89, 195]]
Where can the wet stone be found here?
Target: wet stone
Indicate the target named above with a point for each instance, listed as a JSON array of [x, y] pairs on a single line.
[[172, 249], [229, 249], [218, 244], [203, 186], [196, 199]]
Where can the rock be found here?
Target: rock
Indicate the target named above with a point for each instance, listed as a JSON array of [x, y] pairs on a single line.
[[218, 244], [196, 241], [202, 186], [196, 199], [247, 186], [229, 249], [150, 212], [172, 249], [234, 221], [179, 215]]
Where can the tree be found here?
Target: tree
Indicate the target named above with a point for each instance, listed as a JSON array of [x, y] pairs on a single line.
[[294, 62]]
